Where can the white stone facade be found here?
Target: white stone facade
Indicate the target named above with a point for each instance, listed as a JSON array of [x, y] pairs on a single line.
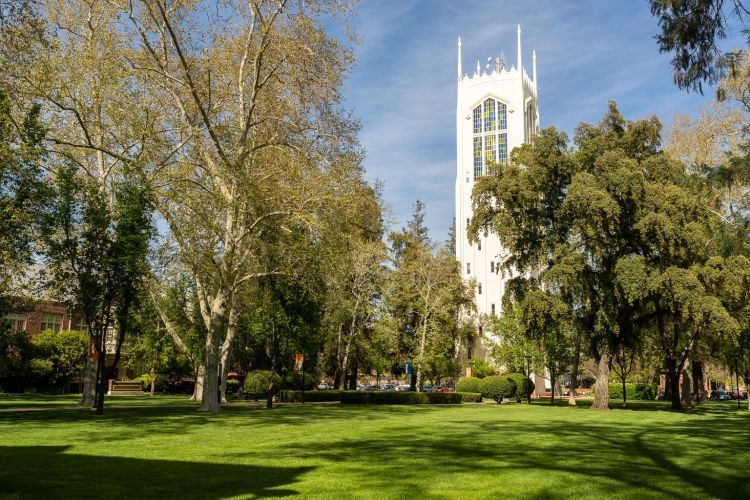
[[491, 93]]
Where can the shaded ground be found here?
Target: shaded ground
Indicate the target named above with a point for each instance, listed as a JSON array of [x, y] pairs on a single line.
[[515, 450]]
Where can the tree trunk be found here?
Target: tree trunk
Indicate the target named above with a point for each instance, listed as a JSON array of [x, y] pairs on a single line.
[[601, 398], [153, 384], [353, 376], [213, 318], [624, 391], [673, 378], [746, 378], [686, 389], [552, 377], [573, 371], [413, 382], [274, 356], [699, 391], [101, 373], [199, 381], [226, 351], [88, 395]]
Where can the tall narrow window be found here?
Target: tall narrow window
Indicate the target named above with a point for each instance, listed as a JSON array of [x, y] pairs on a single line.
[[502, 149], [489, 151], [502, 111], [489, 116], [468, 268], [492, 266], [479, 244], [480, 289], [490, 140], [492, 309], [478, 120], [477, 157]]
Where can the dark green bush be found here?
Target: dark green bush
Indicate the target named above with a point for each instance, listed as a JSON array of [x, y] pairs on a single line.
[[257, 382], [288, 396], [470, 397], [633, 391], [498, 387], [443, 398], [469, 384], [481, 368], [524, 385], [294, 382], [233, 386], [388, 398]]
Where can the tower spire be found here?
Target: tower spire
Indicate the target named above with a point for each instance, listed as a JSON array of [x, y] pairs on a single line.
[[533, 67], [459, 58], [519, 48]]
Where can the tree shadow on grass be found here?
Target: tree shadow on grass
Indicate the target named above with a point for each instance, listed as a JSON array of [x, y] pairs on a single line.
[[49, 472], [666, 460]]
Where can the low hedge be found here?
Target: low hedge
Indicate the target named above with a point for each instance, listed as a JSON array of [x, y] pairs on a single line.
[[289, 396], [444, 398], [385, 398], [470, 397], [469, 384], [498, 387], [633, 391]]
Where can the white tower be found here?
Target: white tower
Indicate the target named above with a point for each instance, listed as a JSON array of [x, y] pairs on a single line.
[[497, 110]]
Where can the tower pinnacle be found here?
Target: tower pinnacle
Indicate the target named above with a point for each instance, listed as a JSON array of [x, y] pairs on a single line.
[[459, 58], [520, 68]]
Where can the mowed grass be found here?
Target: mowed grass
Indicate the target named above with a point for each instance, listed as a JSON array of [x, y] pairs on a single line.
[[337, 451]]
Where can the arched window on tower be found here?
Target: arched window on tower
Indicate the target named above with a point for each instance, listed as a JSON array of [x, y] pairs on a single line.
[[490, 140]]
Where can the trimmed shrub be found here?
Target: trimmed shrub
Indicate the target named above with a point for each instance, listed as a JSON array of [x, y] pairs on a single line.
[[524, 385], [257, 382], [645, 391], [288, 396], [633, 391], [233, 386], [444, 398], [469, 384], [482, 368], [498, 387], [470, 397], [387, 398], [294, 382]]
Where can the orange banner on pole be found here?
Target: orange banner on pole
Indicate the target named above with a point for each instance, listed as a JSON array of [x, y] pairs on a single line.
[[299, 360]]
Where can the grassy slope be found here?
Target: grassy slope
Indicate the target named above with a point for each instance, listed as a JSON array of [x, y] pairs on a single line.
[[328, 451]]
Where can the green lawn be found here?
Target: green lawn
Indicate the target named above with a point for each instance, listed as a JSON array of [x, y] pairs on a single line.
[[329, 451]]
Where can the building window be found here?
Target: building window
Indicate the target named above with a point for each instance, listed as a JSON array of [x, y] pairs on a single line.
[[468, 268], [477, 157], [490, 124], [480, 289], [479, 244], [492, 266], [490, 135], [468, 221], [478, 120], [502, 149], [492, 309], [51, 321], [16, 322]]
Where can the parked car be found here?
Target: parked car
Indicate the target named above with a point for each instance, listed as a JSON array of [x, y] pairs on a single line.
[[368, 387], [720, 396], [388, 387], [403, 388], [428, 388], [324, 387]]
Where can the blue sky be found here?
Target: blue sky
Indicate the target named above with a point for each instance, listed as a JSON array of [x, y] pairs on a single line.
[[403, 88]]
